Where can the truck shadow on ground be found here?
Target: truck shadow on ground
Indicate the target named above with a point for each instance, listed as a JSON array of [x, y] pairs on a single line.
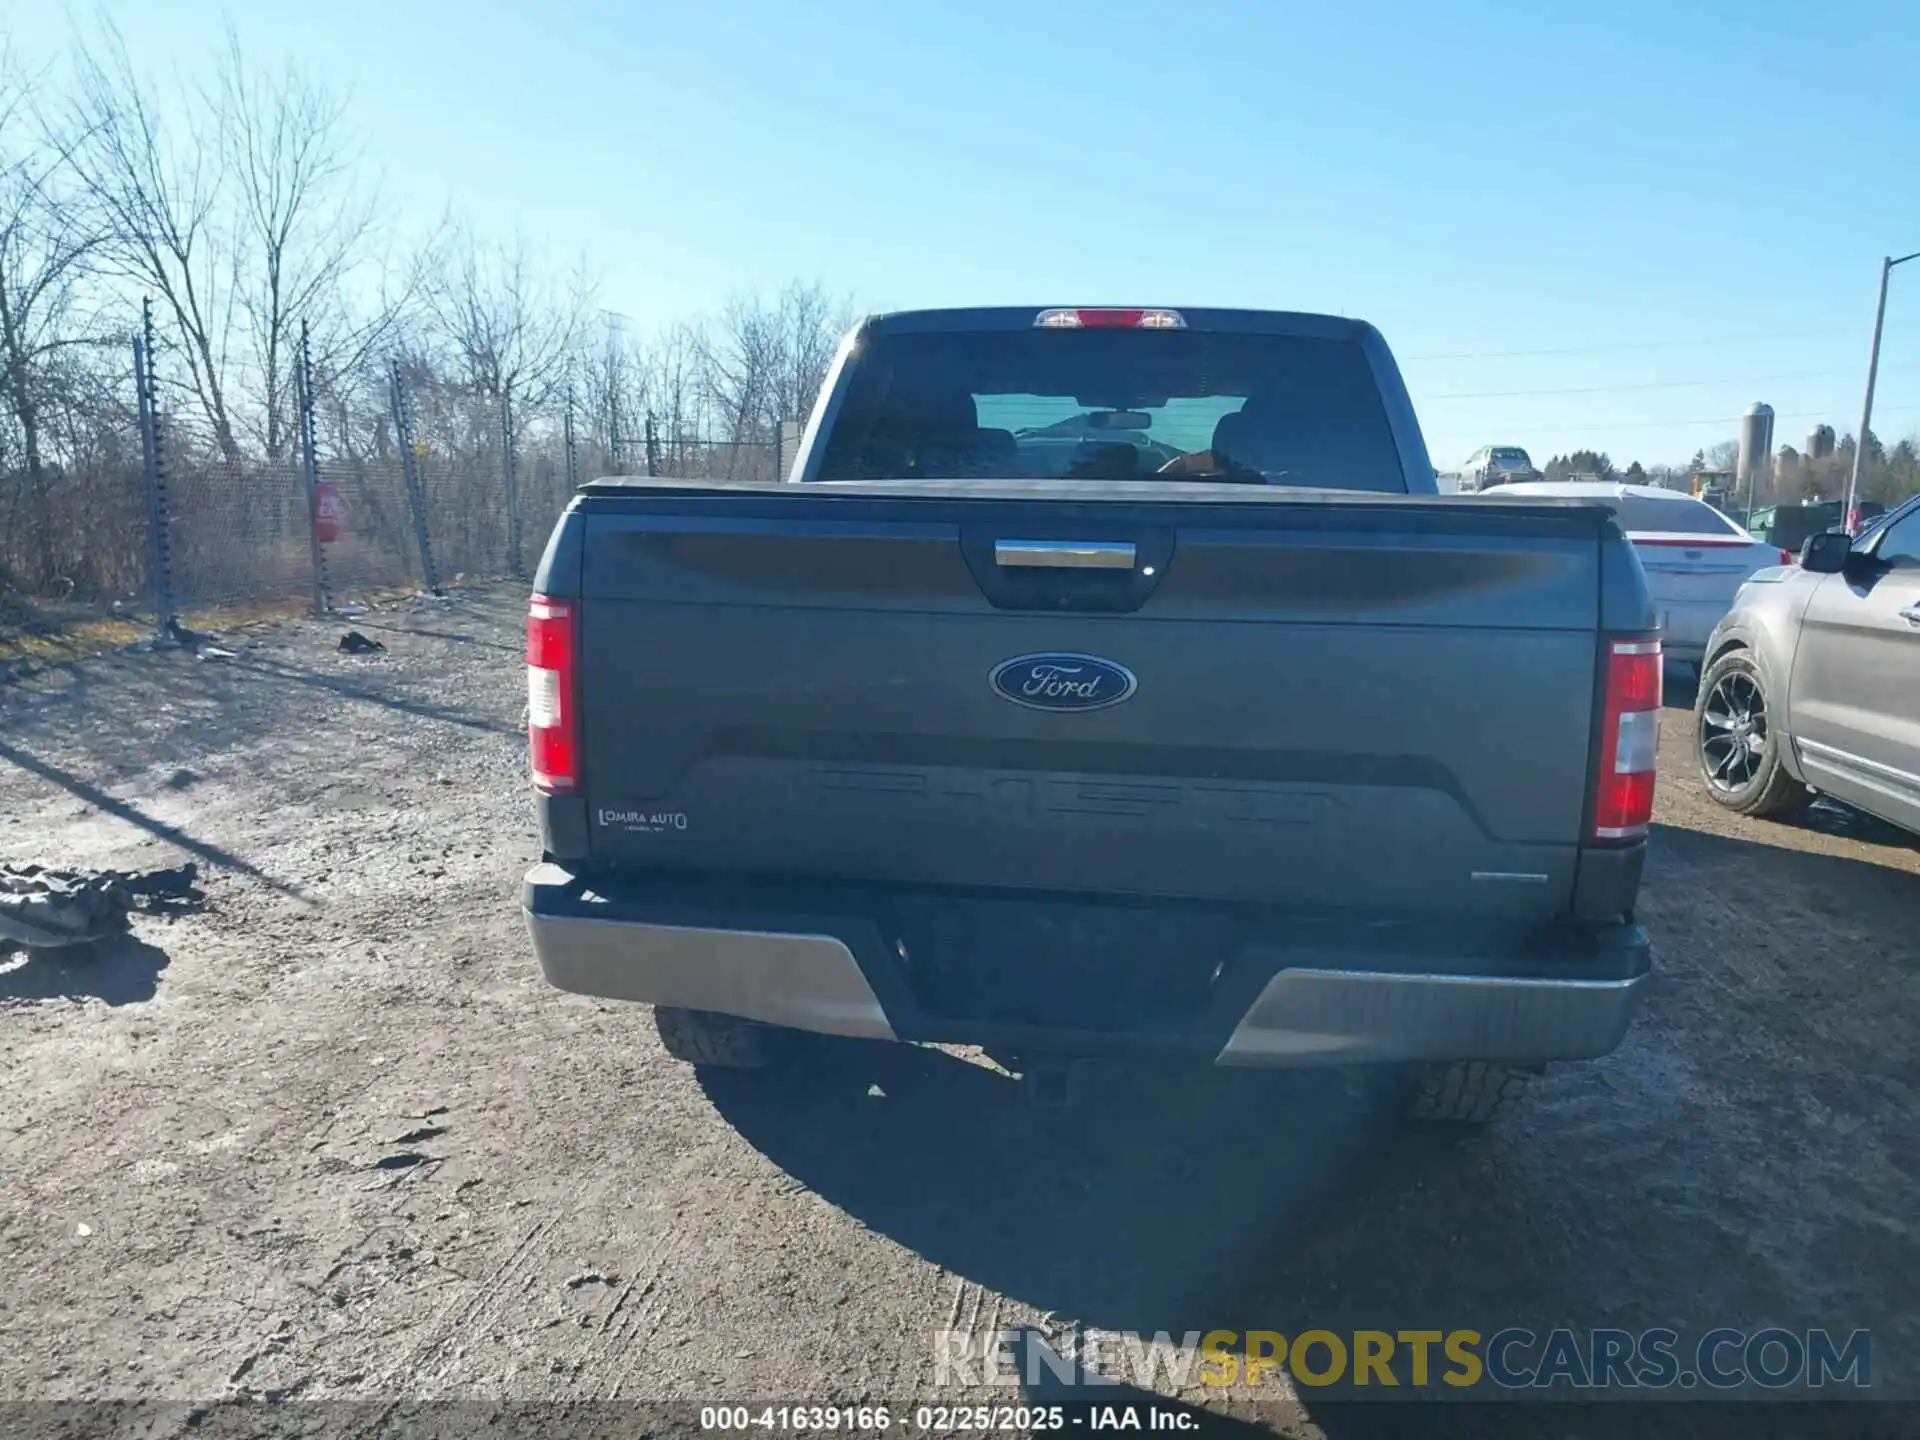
[[1160, 1199], [1131, 1205], [121, 970], [1282, 1201]]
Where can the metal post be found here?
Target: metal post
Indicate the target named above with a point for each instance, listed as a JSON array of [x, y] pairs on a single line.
[[572, 450], [1866, 410], [779, 445], [410, 472], [510, 480], [613, 431], [653, 446], [310, 473], [155, 465], [1873, 372]]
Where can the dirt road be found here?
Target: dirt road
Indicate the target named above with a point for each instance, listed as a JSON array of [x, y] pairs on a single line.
[[333, 1138]]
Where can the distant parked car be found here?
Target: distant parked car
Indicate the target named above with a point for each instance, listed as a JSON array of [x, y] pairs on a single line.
[[1695, 557], [1492, 465], [1812, 680]]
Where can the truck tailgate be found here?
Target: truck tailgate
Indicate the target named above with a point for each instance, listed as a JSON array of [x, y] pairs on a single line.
[[1380, 702]]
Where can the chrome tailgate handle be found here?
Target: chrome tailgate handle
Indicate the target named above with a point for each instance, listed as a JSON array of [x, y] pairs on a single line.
[[1064, 554]]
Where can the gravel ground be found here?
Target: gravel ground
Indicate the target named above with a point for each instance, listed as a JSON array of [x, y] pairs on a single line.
[[332, 1138]]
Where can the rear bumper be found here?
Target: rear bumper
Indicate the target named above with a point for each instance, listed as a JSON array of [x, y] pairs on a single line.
[[832, 969], [809, 982], [1337, 1017]]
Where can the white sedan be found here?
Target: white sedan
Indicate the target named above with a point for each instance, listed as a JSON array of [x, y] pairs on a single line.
[[1696, 559]]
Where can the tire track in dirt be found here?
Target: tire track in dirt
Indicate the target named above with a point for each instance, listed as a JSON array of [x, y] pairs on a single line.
[[622, 1335], [463, 1313]]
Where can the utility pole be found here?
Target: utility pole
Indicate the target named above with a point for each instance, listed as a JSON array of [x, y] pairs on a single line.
[[153, 456], [510, 478], [310, 471], [1873, 373], [615, 376], [572, 448]]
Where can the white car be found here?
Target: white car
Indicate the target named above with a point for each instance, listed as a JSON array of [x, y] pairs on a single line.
[[1696, 559]]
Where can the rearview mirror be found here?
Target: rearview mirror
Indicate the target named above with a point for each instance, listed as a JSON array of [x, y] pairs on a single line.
[[1826, 553]]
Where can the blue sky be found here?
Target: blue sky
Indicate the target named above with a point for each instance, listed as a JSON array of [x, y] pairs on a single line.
[[1578, 224]]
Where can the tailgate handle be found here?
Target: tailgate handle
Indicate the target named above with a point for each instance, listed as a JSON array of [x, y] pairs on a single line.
[[1065, 554]]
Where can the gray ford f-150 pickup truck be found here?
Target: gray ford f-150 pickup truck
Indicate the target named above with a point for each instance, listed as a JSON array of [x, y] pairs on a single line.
[[1102, 680]]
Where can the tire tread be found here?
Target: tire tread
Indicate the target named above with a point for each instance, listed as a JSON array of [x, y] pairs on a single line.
[[718, 1042], [1468, 1092]]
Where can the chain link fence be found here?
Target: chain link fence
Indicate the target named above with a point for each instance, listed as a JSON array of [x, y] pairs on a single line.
[[158, 528]]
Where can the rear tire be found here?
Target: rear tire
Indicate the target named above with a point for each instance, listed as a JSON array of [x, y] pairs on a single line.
[[1732, 693], [1467, 1092], [710, 1041]]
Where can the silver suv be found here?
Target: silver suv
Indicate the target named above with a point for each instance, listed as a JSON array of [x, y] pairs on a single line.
[[1493, 465], [1812, 681]]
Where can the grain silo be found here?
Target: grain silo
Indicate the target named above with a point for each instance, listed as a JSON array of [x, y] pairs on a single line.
[[1756, 447], [1819, 442]]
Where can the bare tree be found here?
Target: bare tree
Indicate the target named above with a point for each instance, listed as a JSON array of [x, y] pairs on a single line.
[[738, 356], [676, 388], [157, 203], [763, 363], [304, 228], [811, 327], [611, 384], [503, 323], [45, 247]]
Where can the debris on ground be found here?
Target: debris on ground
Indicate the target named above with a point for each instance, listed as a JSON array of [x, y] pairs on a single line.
[[214, 652], [354, 643], [191, 639], [51, 908]]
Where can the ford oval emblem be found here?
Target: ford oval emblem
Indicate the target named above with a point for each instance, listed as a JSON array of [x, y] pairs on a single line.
[[1060, 680]]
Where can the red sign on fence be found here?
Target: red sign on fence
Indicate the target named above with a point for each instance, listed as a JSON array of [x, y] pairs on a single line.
[[329, 509]]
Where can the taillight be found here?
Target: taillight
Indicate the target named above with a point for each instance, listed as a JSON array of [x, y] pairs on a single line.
[[1786, 556], [553, 721], [1084, 319], [1629, 741]]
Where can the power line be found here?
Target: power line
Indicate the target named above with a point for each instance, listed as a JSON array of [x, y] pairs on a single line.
[[1654, 385], [1732, 420], [1635, 346]]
